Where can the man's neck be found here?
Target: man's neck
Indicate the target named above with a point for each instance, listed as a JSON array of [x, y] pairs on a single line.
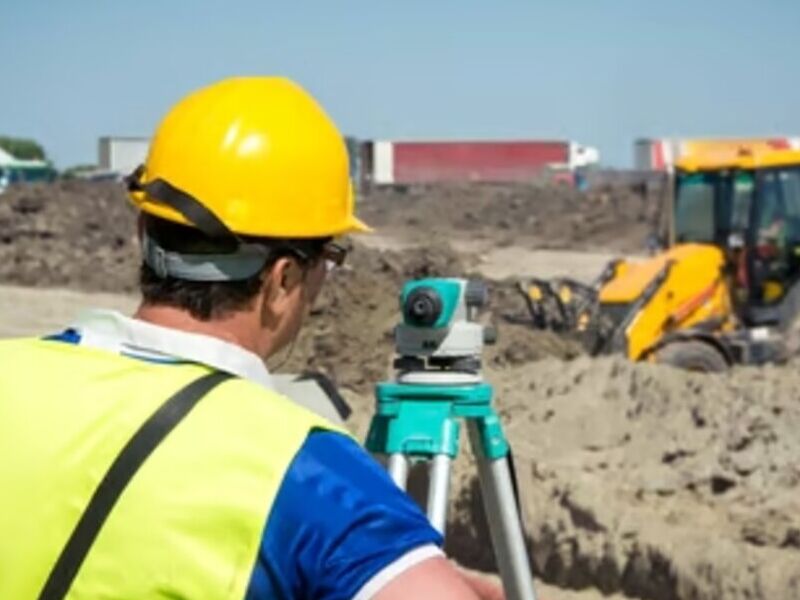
[[237, 328]]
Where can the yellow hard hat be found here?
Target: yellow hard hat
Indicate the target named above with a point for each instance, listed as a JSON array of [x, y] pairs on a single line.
[[257, 153]]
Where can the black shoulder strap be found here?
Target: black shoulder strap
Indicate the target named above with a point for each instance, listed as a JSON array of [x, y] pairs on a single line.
[[146, 439]]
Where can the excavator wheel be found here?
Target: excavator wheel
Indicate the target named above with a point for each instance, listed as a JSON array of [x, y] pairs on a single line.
[[692, 355]]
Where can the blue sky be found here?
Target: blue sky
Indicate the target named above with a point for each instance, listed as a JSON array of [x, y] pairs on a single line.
[[599, 72]]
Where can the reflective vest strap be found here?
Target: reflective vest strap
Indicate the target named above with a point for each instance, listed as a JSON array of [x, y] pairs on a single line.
[[146, 439]]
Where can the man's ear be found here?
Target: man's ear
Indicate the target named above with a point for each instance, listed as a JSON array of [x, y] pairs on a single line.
[[284, 275]]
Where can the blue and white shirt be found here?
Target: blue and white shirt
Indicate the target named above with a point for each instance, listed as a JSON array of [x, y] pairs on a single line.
[[332, 533]]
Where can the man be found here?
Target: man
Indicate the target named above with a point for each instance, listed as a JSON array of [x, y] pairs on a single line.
[[150, 457]]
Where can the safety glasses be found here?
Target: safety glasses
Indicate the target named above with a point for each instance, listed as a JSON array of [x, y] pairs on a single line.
[[334, 254]]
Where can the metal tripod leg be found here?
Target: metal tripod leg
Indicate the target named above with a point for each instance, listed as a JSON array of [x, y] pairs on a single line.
[[438, 485], [504, 521], [398, 469], [439, 491]]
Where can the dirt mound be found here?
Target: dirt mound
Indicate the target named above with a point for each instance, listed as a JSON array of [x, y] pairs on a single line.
[[643, 480], [654, 482], [535, 216], [81, 235], [349, 335], [68, 234]]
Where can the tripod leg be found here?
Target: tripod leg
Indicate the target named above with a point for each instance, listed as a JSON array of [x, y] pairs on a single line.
[[505, 525], [439, 491], [398, 469]]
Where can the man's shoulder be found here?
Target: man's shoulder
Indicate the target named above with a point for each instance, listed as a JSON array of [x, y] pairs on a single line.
[[26, 348], [314, 391], [271, 404]]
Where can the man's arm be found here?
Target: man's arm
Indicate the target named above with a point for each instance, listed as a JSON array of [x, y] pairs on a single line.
[[433, 578], [438, 578], [341, 529]]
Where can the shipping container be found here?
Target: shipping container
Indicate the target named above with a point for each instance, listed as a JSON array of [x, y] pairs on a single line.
[[409, 162], [121, 154], [661, 154]]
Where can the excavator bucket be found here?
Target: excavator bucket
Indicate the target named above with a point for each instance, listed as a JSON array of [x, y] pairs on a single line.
[[567, 306]]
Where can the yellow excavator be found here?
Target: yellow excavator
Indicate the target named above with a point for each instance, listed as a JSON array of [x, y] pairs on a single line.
[[722, 290]]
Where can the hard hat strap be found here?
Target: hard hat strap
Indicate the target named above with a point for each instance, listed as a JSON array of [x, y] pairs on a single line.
[[193, 210]]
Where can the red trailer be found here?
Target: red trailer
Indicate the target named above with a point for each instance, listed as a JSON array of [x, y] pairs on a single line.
[[473, 161]]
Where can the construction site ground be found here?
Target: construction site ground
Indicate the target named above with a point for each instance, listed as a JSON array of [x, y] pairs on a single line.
[[636, 480]]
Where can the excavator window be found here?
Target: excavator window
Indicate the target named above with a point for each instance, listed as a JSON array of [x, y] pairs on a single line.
[[776, 257], [695, 207], [712, 205], [760, 210], [743, 187]]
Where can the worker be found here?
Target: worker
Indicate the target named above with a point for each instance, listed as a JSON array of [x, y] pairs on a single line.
[[151, 457]]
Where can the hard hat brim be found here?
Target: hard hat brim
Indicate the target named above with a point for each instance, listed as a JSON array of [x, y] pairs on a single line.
[[358, 226]]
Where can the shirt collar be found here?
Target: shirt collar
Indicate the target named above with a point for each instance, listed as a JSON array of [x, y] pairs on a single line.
[[110, 330]]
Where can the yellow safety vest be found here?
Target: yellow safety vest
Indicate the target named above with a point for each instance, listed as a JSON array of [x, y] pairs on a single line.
[[189, 523]]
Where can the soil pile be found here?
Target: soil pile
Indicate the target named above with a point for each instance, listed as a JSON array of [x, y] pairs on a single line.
[[349, 336], [68, 234], [651, 481], [81, 235], [644, 480], [535, 216]]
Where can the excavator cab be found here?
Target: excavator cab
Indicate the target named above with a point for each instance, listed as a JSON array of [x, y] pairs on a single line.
[[749, 208], [746, 205]]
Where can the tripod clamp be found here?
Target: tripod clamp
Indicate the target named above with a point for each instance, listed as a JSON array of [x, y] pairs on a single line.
[[423, 420]]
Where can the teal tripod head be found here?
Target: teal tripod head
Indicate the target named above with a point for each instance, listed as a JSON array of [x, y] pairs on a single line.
[[439, 328], [438, 379]]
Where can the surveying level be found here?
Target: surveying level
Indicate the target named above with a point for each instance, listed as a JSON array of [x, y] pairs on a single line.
[[438, 384]]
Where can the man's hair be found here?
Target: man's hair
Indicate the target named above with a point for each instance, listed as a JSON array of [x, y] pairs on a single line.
[[207, 300]]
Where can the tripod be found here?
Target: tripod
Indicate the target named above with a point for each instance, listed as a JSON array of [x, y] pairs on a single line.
[[418, 419]]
